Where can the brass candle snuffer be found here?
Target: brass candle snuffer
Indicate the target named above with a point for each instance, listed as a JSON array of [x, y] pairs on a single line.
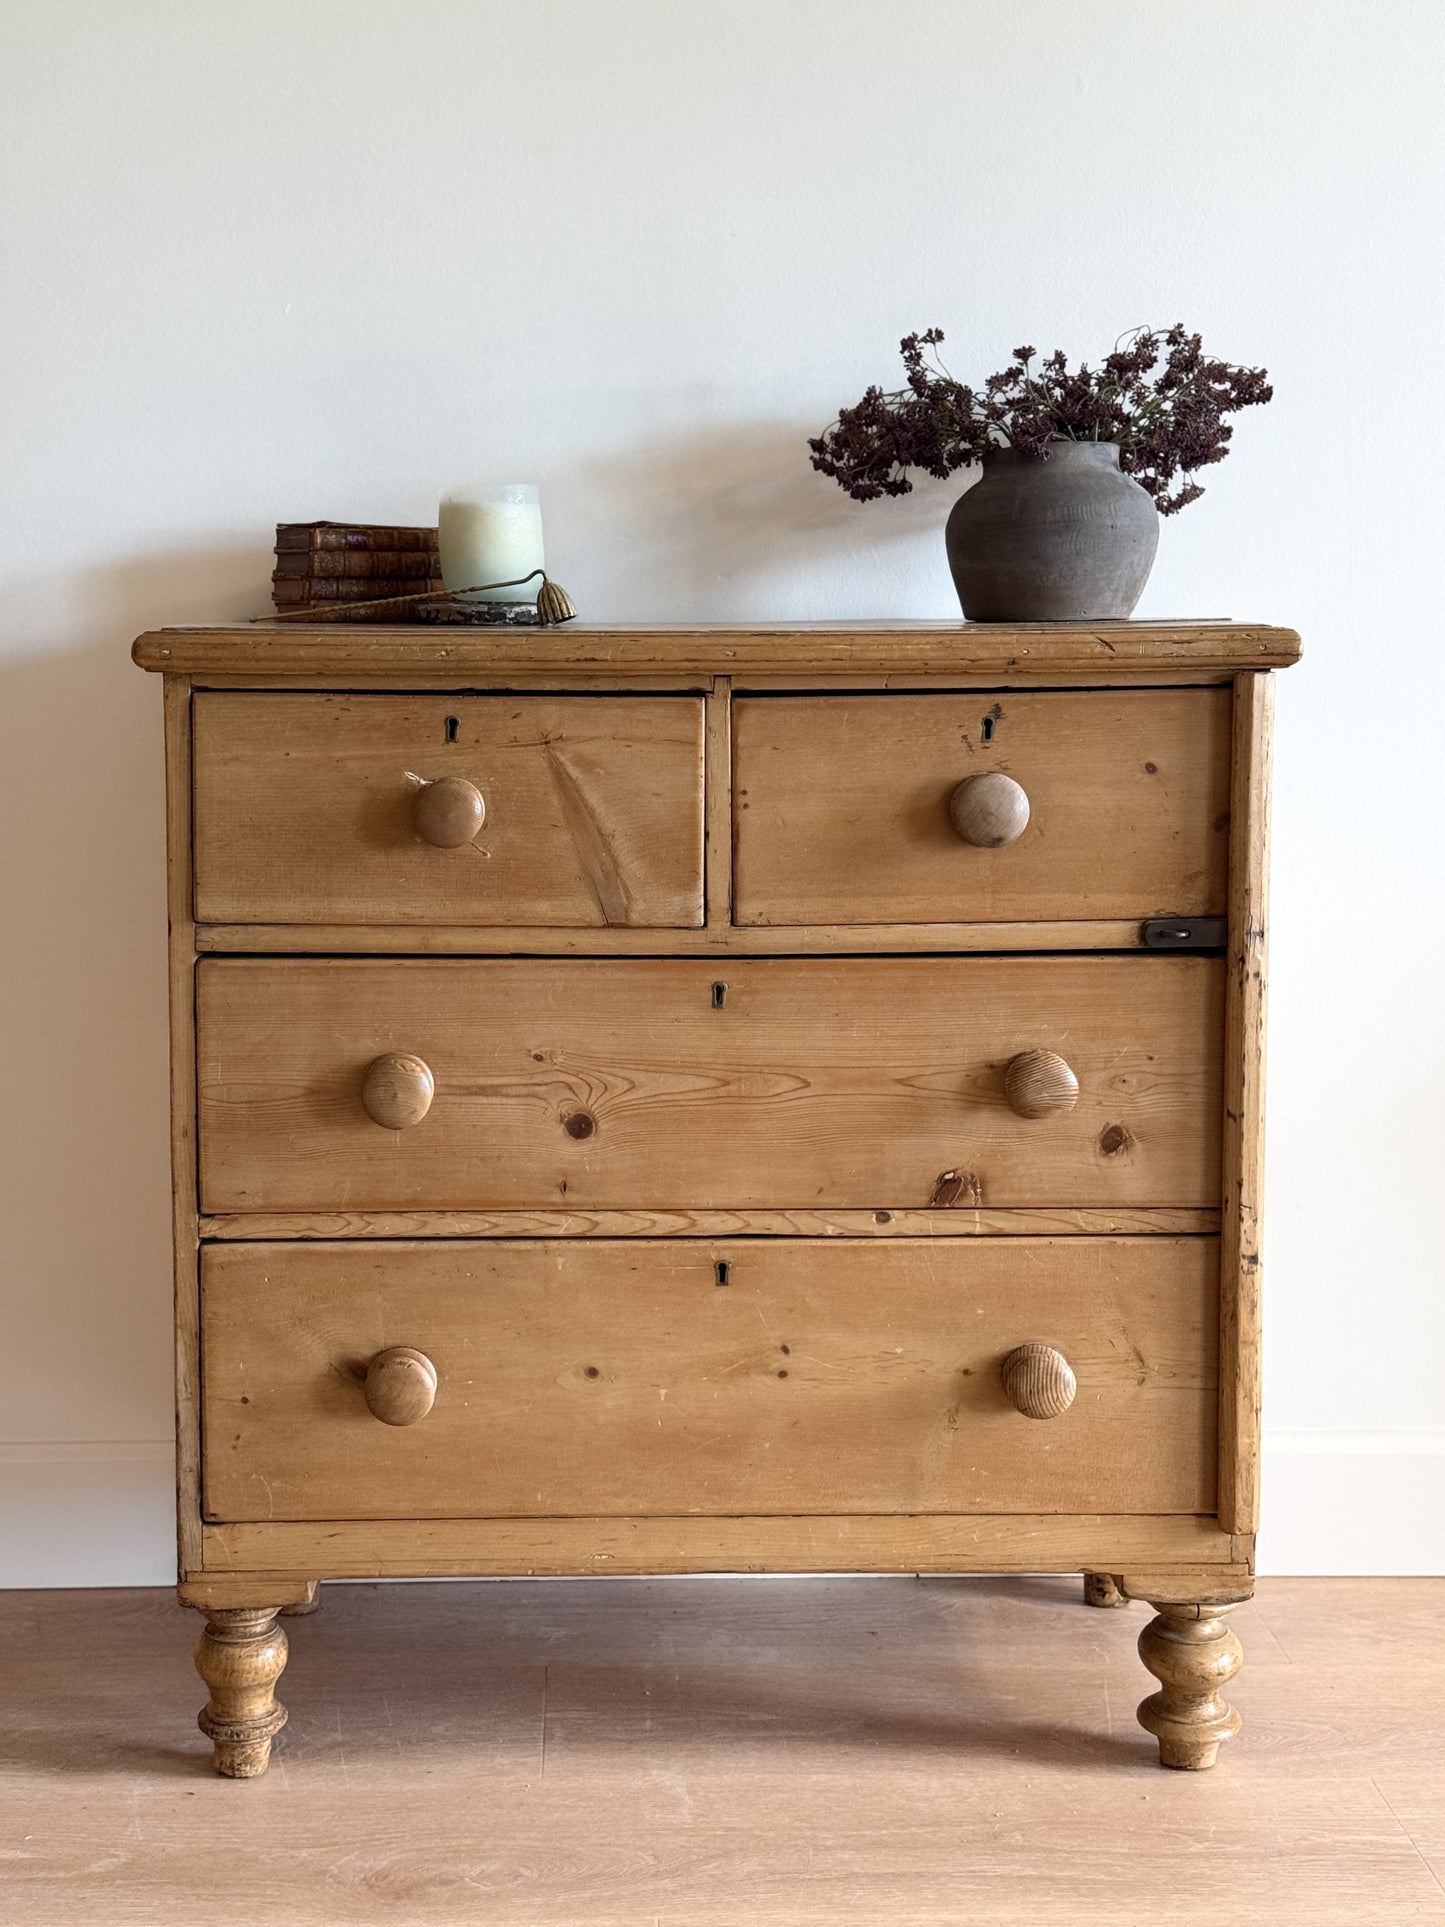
[[554, 605]]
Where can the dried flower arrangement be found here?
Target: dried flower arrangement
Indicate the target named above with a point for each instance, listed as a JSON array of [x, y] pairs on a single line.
[[1167, 424]]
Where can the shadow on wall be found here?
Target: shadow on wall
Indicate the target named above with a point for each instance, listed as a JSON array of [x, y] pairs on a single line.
[[84, 1174], [717, 523], [735, 521]]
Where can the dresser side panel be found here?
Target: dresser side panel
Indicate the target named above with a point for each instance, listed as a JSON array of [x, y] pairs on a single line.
[[181, 963], [1243, 1163]]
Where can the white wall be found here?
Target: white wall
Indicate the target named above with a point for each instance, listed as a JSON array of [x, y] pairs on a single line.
[[282, 261]]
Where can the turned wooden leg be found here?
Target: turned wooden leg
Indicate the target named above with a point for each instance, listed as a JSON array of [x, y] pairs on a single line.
[[241, 1656], [1102, 1589], [1193, 1654]]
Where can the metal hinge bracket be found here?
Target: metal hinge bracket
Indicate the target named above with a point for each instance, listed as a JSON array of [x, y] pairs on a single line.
[[1184, 933]]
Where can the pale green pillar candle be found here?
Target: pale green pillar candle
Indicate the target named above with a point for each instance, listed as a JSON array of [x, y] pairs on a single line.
[[491, 532]]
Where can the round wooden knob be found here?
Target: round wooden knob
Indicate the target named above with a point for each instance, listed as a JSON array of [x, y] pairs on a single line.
[[1039, 1381], [989, 810], [1039, 1082], [397, 1090], [401, 1385], [448, 812]]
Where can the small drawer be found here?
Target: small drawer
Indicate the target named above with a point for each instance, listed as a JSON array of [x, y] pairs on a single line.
[[575, 811], [794, 1083], [571, 1378], [1115, 805]]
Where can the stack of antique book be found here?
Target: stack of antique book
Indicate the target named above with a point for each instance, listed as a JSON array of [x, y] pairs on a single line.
[[339, 562]]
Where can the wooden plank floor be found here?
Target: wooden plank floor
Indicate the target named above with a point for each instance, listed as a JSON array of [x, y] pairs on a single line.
[[719, 1750]]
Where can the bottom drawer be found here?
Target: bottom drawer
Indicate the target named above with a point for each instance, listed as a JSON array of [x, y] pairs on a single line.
[[633, 1377]]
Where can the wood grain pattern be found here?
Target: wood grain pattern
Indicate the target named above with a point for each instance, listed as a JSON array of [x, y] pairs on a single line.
[[581, 653], [718, 806], [289, 1596], [816, 1104], [181, 969], [956, 1221], [1193, 1653], [756, 682], [1244, 1042], [1038, 1083], [303, 1608], [1101, 1589], [843, 806], [989, 810], [720, 940], [400, 1386], [304, 809], [814, 1083], [1039, 1381], [241, 1655], [448, 811], [844, 1542], [659, 1378], [1198, 1588], [397, 1090]]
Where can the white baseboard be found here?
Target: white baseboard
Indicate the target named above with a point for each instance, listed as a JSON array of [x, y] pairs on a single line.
[[88, 1512], [102, 1512], [1353, 1503]]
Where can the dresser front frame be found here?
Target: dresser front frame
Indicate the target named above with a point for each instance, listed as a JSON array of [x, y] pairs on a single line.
[[1187, 1557]]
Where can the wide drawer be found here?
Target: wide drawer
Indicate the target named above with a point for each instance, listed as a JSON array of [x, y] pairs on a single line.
[[625, 1378], [678, 1084], [842, 806], [318, 809]]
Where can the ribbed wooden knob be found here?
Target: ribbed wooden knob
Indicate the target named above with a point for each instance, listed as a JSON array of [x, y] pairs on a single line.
[[397, 1090], [1038, 1083], [989, 810], [1039, 1381], [448, 812], [401, 1385]]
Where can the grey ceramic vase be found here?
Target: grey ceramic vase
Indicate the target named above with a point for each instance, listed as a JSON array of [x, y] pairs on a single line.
[[1067, 539]]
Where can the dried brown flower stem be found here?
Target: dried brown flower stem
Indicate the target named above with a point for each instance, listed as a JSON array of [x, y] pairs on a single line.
[[1167, 424]]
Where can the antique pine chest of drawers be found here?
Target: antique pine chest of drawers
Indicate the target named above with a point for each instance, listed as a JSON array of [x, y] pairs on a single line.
[[742, 1099]]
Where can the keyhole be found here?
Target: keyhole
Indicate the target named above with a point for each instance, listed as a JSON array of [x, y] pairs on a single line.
[[720, 1271], [987, 732], [719, 996], [452, 727]]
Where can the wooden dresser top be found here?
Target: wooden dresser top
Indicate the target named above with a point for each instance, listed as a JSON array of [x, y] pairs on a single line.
[[759, 653]]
